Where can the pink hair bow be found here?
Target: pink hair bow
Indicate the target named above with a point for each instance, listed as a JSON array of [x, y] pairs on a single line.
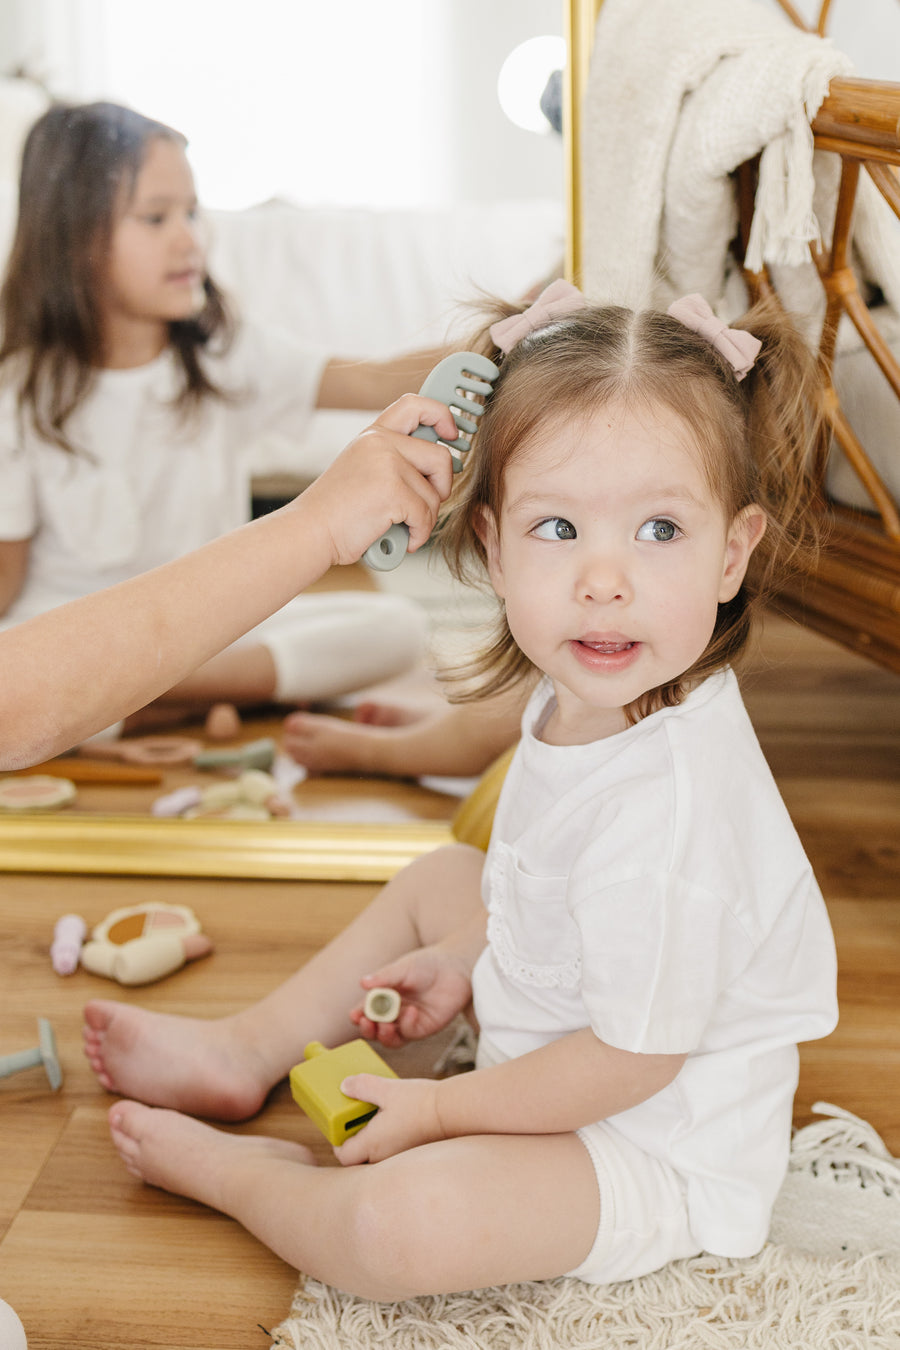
[[554, 302], [740, 349]]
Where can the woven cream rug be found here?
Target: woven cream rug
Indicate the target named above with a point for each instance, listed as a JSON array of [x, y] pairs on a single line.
[[829, 1279]]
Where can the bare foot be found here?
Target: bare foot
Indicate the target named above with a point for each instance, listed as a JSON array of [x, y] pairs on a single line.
[[386, 715], [180, 1154], [325, 744], [205, 1068]]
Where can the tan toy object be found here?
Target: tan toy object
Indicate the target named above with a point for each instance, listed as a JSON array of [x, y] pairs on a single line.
[[144, 942], [35, 792]]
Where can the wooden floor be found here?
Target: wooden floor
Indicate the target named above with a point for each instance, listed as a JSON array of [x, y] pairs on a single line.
[[92, 1260]]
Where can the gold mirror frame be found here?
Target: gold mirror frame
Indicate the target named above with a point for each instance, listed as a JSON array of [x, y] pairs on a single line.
[[580, 17], [282, 850], [275, 850]]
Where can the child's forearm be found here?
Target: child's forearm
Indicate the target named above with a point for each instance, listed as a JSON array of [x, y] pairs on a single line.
[[347, 383], [558, 1088]]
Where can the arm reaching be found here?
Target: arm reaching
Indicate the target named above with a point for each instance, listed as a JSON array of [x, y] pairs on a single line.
[[371, 384], [76, 669]]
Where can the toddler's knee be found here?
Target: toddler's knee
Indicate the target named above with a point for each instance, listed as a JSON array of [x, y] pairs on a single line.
[[391, 1239]]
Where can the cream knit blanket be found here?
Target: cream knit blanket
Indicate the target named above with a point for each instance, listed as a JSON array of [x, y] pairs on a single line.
[[680, 93]]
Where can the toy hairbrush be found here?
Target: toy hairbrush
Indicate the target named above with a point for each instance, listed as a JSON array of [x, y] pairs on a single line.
[[452, 379]]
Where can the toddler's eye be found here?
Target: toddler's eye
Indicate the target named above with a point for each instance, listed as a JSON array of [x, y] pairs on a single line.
[[555, 528], [657, 531]]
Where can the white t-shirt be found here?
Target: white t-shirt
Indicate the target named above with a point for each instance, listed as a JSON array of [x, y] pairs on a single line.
[[651, 886], [153, 484]]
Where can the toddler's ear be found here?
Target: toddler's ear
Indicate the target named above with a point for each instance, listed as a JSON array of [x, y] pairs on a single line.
[[745, 532], [489, 534]]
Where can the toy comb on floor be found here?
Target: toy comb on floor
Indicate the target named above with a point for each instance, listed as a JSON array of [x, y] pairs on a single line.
[[452, 379]]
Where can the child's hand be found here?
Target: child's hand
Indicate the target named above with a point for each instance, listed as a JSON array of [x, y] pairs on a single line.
[[385, 476], [434, 986], [407, 1116]]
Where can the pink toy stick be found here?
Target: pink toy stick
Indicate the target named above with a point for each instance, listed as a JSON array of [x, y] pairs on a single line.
[[68, 936]]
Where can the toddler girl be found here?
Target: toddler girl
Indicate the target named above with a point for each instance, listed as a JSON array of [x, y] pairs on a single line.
[[644, 944], [128, 399]]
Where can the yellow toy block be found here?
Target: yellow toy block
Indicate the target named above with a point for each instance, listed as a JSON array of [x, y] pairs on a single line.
[[315, 1087]]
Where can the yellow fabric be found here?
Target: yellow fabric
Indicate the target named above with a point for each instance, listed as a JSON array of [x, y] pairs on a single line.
[[475, 816]]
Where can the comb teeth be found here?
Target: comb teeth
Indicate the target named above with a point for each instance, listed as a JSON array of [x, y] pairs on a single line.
[[451, 380]]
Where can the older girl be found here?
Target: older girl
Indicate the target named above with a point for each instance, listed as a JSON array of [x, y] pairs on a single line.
[[128, 398], [644, 944]]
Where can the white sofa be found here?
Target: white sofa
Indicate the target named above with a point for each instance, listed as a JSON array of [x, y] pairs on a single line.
[[367, 283], [357, 282]]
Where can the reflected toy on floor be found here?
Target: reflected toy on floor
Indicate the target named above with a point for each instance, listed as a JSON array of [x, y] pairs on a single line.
[[253, 795], [35, 792], [142, 943], [315, 1087]]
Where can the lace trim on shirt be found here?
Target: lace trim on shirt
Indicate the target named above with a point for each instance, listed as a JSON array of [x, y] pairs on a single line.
[[565, 976]]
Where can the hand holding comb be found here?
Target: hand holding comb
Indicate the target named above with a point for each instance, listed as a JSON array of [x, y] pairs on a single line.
[[458, 375]]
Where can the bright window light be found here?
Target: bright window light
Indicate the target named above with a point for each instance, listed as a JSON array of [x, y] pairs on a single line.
[[523, 76]]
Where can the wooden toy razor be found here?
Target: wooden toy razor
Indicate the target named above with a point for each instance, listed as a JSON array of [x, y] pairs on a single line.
[[315, 1087], [458, 375]]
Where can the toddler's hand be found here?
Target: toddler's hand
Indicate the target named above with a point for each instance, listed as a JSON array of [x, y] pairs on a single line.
[[386, 476], [407, 1116], [434, 986]]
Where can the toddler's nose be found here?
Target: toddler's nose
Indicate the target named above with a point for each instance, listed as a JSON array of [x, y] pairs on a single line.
[[604, 579]]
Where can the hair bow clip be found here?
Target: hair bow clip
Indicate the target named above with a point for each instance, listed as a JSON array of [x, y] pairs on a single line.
[[554, 302], [739, 348]]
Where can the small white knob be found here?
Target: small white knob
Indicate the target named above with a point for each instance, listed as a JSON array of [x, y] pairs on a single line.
[[382, 1005]]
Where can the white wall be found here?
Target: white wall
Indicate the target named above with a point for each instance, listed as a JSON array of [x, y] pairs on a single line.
[[378, 102], [868, 31]]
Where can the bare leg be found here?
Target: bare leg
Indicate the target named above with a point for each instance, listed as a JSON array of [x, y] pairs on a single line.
[[460, 1214], [224, 1069], [244, 673]]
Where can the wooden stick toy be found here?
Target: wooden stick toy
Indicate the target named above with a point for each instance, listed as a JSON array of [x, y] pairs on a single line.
[[79, 770]]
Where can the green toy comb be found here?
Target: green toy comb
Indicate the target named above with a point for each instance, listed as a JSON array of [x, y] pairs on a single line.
[[452, 379]]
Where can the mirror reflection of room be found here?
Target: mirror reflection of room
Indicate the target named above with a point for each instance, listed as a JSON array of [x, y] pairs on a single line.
[[323, 249]]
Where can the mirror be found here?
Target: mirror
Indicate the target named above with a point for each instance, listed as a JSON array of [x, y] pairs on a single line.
[[383, 120]]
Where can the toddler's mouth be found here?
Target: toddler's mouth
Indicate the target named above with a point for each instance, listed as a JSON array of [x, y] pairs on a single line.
[[606, 648]]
